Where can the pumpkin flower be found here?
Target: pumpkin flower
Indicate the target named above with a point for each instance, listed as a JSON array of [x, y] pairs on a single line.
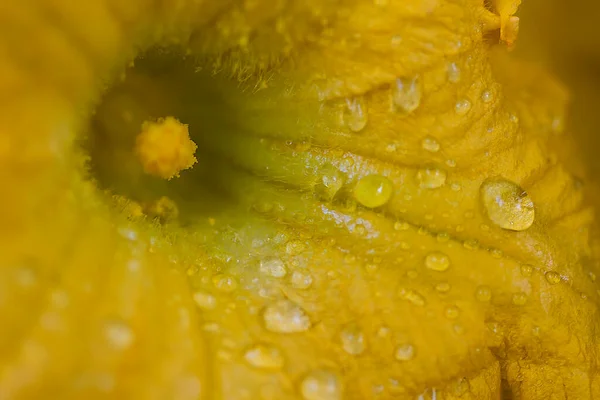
[[265, 199]]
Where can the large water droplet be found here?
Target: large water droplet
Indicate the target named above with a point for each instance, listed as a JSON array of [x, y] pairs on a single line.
[[405, 352], [373, 191], [321, 385], [507, 205], [431, 178], [406, 94], [273, 266], [355, 115], [437, 261], [283, 316], [430, 144], [264, 356], [353, 340]]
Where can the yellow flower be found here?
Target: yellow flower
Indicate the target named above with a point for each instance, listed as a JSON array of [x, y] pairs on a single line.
[[384, 205]]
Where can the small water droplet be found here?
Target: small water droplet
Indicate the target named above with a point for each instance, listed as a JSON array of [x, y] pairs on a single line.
[[453, 73], [355, 115], [552, 277], [483, 293], [471, 244], [301, 280], [273, 266], [437, 261], [373, 191], [283, 316], [526, 270], [205, 301], [295, 247], [321, 385], [442, 237], [431, 178], [507, 205], [443, 287], [401, 226], [264, 356], [332, 181], [486, 96], [119, 334], [462, 107], [412, 296], [225, 283], [405, 352], [451, 312], [430, 144], [353, 340], [406, 94], [519, 298]]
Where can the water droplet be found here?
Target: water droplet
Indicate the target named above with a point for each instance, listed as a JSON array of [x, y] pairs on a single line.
[[430, 144], [431, 178], [406, 94], [405, 352], [483, 293], [526, 270], [443, 287], [283, 316], [401, 226], [273, 266], [225, 283], [373, 191], [507, 205], [295, 247], [453, 73], [451, 312], [471, 244], [205, 300], [486, 96], [353, 340], [321, 385], [437, 261], [264, 356], [332, 181], [119, 334], [355, 115], [412, 296], [519, 298], [301, 280], [552, 277], [462, 107]]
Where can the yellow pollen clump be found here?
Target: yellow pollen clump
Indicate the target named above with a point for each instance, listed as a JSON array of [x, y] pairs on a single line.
[[164, 148]]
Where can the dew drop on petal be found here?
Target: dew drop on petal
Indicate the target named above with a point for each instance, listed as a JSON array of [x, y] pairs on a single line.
[[430, 144], [355, 115], [331, 181], [406, 94], [264, 356], [321, 385], [552, 277], [451, 312], [283, 316], [519, 298], [273, 266], [301, 280], [373, 191], [437, 261], [353, 340], [462, 106], [405, 352], [225, 283], [507, 205], [204, 300], [526, 270], [412, 296], [431, 178], [453, 73], [483, 293]]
